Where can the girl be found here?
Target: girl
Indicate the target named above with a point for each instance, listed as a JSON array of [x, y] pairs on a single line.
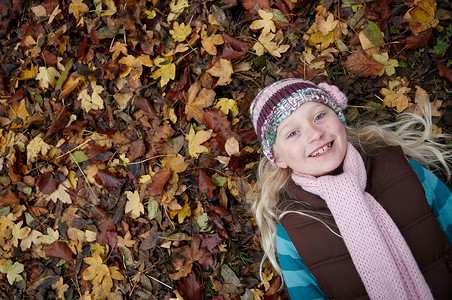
[[348, 215]]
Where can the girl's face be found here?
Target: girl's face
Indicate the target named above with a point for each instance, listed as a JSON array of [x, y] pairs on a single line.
[[312, 140]]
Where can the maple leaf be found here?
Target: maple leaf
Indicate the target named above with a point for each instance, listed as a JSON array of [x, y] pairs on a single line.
[[61, 194], [180, 32], [32, 238], [93, 101], [134, 204], [50, 237], [422, 101], [198, 97], [11, 270], [126, 241], [37, 146], [360, 64], [60, 287], [223, 69], [78, 9], [177, 7], [182, 213], [166, 70], [133, 62], [265, 43], [47, 76], [210, 41], [266, 23], [226, 105], [19, 233], [396, 94], [388, 64], [421, 16], [176, 163], [327, 25], [196, 139], [100, 273], [118, 48]]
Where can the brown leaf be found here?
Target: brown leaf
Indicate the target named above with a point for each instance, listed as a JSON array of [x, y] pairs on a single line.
[[382, 6], [198, 98], [59, 250], [137, 149], [205, 186], [110, 181], [254, 5], [360, 64], [158, 182], [8, 198], [190, 288], [60, 122], [216, 120], [47, 183], [145, 105], [444, 71], [97, 154], [236, 43], [422, 40]]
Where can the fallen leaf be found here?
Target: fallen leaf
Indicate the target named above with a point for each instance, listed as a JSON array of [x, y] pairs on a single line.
[[100, 273], [91, 101], [166, 70], [179, 33], [195, 141], [59, 250], [133, 204], [222, 69], [388, 64], [396, 94], [421, 16], [360, 64], [266, 23], [444, 71], [198, 98], [159, 180], [11, 270], [266, 43]]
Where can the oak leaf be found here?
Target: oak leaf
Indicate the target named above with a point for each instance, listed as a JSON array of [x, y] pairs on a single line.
[[133, 204], [266, 23], [93, 101], [195, 141], [222, 69]]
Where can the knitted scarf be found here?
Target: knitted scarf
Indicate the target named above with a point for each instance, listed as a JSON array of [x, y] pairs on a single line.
[[377, 248]]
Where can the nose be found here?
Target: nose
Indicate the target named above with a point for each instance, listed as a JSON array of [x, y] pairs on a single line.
[[314, 133]]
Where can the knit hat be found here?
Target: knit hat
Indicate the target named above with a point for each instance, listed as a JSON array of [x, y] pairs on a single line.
[[278, 100]]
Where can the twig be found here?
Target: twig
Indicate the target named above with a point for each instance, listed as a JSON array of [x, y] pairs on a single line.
[[158, 281]]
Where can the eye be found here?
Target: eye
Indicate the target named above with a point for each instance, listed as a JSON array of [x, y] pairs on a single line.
[[319, 117], [292, 134]]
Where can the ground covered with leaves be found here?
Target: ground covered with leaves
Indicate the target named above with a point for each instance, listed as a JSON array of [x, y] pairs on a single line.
[[127, 157]]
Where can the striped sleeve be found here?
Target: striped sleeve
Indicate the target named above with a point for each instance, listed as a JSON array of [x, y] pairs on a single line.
[[438, 195], [300, 283]]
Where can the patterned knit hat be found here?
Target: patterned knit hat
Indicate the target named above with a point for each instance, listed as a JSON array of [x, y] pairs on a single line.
[[278, 100]]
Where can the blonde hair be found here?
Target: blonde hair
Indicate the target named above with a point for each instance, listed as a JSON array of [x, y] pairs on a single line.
[[414, 134]]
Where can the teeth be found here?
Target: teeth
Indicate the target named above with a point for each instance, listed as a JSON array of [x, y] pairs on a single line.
[[321, 150]]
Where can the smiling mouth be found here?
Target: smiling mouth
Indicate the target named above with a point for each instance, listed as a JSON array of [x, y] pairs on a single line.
[[322, 150]]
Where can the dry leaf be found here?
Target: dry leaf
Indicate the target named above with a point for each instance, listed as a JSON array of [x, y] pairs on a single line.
[[396, 94], [196, 139], [197, 99], [266, 23], [360, 64], [91, 101], [421, 16], [133, 204], [222, 69]]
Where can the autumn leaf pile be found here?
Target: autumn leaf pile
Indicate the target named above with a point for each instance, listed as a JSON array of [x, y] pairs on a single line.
[[127, 157]]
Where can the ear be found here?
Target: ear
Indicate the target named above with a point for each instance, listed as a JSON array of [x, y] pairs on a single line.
[[279, 163]]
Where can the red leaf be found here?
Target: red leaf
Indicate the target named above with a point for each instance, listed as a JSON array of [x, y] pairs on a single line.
[[75, 126], [219, 210], [145, 105], [254, 5], [229, 53], [236, 43], [205, 186], [110, 181], [158, 182], [60, 122], [18, 95], [107, 234], [97, 154], [190, 288], [360, 64], [8, 198], [414, 42], [444, 71], [46, 183], [383, 8], [136, 150], [59, 250], [216, 120]]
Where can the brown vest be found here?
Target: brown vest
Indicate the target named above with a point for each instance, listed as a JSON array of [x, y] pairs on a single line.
[[395, 185]]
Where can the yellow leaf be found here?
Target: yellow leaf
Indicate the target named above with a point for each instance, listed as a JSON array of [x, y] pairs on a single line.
[[61, 194], [388, 64], [422, 101], [37, 146], [29, 74], [60, 287], [78, 9], [98, 272], [226, 105], [198, 98], [134, 204], [265, 42], [93, 101], [118, 48], [11, 270], [184, 212], [180, 32], [266, 23], [232, 146], [50, 237], [19, 233], [166, 71], [176, 163], [223, 69], [209, 41], [196, 139], [47, 76], [396, 94], [177, 7], [421, 16], [328, 25]]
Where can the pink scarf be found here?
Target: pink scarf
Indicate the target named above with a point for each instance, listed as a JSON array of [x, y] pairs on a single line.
[[378, 250]]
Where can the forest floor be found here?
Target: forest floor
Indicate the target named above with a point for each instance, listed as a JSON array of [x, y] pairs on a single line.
[[127, 157]]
